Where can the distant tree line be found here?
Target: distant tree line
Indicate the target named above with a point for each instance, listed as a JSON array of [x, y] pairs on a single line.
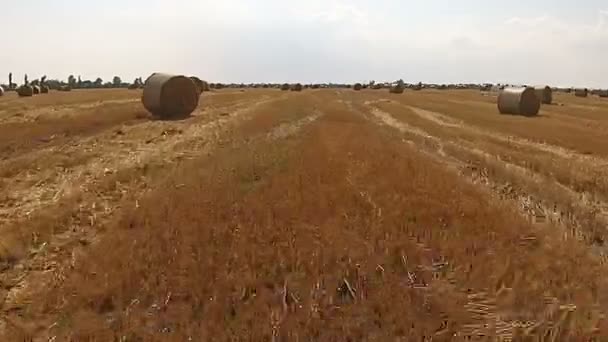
[[78, 83]]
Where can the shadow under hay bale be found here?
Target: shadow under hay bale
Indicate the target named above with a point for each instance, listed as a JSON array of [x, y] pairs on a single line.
[[36, 90], [25, 91], [296, 87], [581, 92], [518, 101], [544, 94], [358, 86], [170, 97]]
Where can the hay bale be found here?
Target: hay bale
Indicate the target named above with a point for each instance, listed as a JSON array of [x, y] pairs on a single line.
[[519, 101], [199, 84], [44, 89], [285, 87], [170, 96], [296, 87], [581, 92], [358, 86], [65, 88], [36, 89], [25, 91], [544, 94], [397, 89]]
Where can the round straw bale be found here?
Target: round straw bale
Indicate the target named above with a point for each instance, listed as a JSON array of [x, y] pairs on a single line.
[[397, 89], [519, 101], [199, 83], [581, 92], [44, 89], [170, 96], [25, 91], [358, 86], [285, 86], [36, 89], [544, 94], [296, 87]]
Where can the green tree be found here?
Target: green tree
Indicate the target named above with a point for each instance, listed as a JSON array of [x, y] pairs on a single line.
[[116, 81], [72, 81]]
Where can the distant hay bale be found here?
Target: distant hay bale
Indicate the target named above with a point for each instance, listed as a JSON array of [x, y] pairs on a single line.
[[36, 90], [518, 101], [25, 91], [581, 92], [397, 89], [602, 93], [544, 94], [296, 87], [65, 88], [199, 84], [170, 96], [44, 89], [357, 86], [285, 87]]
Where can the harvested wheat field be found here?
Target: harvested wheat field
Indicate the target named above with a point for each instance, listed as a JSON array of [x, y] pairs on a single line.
[[321, 215]]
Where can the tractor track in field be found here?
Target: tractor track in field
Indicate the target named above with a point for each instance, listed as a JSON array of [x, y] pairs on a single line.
[[458, 155], [53, 260]]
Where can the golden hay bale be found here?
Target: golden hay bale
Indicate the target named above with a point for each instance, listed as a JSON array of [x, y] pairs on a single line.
[[358, 86], [519, 101], [397, 89], [285, 87], [199, 83], [544, 94], [581, 92], [36, 89], [25, 91], [170, 96], [44, 89], [296, 87]]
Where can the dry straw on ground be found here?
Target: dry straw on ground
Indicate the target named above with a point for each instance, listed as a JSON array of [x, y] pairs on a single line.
[[520, 101], [25, 90], [581, 92], [544, 94], [170, 96]]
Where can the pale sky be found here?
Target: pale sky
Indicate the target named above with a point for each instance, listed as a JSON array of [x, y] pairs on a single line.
[[556, 42]]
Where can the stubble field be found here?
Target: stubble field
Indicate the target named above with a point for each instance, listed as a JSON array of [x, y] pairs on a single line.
[[322, 215]]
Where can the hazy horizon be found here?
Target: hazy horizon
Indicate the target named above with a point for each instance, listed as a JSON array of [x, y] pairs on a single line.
[[561, 43]]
